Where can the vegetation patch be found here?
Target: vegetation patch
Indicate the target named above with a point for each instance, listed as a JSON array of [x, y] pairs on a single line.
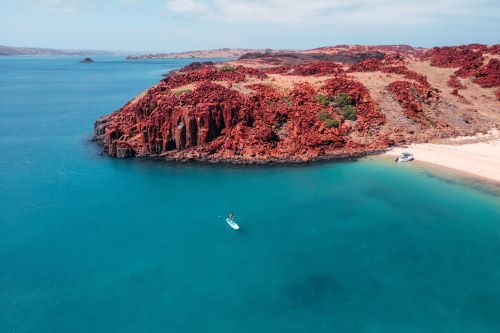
[[331, 122], [323, 99], [327, 119], [287, 100], [349, 112], [227, 69], [177, 93], [342, 100], [341, 103], [323, 115]]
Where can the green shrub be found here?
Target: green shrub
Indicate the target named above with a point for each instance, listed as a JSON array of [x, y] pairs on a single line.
[[227, 69], [349, 112], [323, 115], [342, 100], [322, 99], [327, 119], [331, 122]]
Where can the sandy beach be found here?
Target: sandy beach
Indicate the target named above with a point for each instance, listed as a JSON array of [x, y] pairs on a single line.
[[476, 155]]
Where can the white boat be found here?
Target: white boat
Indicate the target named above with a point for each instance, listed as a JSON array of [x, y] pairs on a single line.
[[404, 157]]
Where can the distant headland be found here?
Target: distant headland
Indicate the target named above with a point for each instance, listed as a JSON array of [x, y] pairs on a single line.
[[14, 51], [200, 54]]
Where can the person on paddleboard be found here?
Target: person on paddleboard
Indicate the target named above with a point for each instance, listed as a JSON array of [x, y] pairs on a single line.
[[231, 216]]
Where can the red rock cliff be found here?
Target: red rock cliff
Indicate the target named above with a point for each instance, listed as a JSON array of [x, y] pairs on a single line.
[[242, 112]]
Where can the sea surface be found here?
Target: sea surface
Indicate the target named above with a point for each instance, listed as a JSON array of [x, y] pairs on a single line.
[[90, 243]]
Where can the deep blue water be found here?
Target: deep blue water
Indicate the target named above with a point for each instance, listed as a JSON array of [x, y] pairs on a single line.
[[94, 244]]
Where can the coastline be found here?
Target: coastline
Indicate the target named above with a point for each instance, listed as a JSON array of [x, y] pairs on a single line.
[[477, 156]]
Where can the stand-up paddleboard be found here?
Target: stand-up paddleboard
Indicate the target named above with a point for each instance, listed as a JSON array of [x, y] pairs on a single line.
[[232, 224]]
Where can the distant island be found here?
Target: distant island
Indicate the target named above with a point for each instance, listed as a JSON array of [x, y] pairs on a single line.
[[87, 60], [330, 102], [14, 51], [215, 53]]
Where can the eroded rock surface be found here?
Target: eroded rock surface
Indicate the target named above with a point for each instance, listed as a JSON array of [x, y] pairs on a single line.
[[257, 110]]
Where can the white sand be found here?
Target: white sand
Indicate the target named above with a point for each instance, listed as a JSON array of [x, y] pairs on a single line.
[[478, 155]]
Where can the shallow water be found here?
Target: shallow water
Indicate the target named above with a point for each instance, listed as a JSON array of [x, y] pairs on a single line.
[[94, 244]]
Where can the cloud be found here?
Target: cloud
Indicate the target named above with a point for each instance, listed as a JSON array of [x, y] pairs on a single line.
[[61, 6], [187, 6], [358, 12]]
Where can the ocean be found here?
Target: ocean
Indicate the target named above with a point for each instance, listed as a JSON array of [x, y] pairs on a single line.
[[89, 243]]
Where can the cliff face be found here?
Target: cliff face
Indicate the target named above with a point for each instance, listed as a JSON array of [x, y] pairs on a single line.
[[254, 111]]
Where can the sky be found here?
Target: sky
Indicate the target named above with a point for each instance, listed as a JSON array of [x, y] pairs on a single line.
[[181, 25]]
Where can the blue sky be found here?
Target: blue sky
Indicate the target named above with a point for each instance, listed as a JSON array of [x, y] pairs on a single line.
[[178, 25]]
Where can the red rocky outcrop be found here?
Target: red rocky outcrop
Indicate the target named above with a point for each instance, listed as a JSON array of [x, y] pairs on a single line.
[[469, 60], [469, 56], [488, 76], [211, 121], [368, 114], [412, 98], [309, 69], [241, 114]]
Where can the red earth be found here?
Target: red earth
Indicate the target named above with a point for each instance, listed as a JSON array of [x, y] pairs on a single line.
[[296, 109]]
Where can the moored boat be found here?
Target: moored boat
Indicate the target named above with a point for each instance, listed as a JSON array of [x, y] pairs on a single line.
[[405, 157]]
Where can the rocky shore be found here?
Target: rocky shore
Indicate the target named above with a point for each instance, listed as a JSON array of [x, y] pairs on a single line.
[[296, 108]]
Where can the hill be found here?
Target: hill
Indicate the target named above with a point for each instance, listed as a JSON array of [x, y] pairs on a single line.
[[12, 50], [201, 54], [331, 102]]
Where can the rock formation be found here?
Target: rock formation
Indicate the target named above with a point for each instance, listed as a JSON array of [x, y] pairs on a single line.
[[298, 108]]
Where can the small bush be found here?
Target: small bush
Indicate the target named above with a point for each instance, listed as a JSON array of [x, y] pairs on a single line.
[[327, 119], [322, 99], [323, 115], [227, 69], [413, 90], [279, 125], [181, 92], [349, 112], [287, 100], [342, 100], [271, 103], [331, 122]]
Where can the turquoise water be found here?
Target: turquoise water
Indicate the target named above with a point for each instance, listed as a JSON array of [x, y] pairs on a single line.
[[94, 244]]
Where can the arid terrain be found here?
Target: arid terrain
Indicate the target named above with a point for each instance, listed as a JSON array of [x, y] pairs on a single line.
[[201, 54], [330, 102]]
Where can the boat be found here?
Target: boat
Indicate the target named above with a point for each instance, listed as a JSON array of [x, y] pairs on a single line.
[[404, 157]]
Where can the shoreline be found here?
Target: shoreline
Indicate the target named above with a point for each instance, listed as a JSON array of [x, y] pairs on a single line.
[[477, 156]]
